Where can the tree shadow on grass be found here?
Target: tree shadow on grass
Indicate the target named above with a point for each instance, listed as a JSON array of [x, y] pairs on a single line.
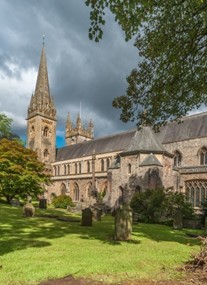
[[161, 233], [18, 232]]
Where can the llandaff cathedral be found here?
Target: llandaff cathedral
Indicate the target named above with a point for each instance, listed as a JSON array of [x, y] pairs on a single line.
[[175, 158]]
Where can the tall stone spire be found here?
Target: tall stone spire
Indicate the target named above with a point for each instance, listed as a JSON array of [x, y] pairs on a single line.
[[41, 120], [41, 102]]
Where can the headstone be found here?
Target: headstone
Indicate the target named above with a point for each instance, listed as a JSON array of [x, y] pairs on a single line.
[[28, 210], [78, 207], [97, 213], [68, 209], [43, 203], [15, 203], [178, 220], [205, 226], [123, 223], [87, 217]]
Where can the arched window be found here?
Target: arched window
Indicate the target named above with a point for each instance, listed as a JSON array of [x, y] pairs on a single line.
[[102, 165], [58, 169], [32, 131], [46, 132], [65, 169], [54, 170], [46, 153], [76, 168], [63, 189], [80, 168], [103, 190], [68, 167], [129, 168], [203, 156], [88, 166], [76, 192], [89, 190], [107, 163], [177, 158]]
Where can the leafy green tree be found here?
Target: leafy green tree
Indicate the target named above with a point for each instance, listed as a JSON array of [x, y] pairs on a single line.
[[148, 205], [156, 205], [21, 173], [5, 126], [177, 200], [171, 38]]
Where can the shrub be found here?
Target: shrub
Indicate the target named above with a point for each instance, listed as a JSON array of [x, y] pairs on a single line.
[[204, 211], [148, 205], [62, 201], [159, 205]]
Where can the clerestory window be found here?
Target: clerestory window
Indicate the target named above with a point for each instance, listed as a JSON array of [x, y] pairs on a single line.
[[177, 158]]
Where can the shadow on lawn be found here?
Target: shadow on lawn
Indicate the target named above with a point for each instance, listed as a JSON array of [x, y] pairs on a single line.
[[18, 232]]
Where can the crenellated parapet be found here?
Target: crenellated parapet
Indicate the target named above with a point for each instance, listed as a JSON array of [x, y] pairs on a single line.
[[78, 133]]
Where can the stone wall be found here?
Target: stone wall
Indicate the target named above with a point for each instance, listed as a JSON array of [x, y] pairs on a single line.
[[189, 150]]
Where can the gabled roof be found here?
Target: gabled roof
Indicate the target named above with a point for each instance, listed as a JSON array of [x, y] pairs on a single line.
[[107, 144], [191, 127], [145, 140], [150, 160]]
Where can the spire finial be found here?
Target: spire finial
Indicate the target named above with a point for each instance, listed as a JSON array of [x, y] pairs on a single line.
[[80, 110], [43, 40]]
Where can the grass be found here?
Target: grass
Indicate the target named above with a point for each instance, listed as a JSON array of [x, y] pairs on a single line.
[[36, 249]]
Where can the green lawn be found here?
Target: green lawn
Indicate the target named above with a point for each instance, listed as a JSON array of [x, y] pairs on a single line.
[[35, 249]]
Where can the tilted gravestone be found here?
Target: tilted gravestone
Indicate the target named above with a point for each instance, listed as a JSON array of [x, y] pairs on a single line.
[[28, 210], [123, 223], [177, 220], [87, 217]]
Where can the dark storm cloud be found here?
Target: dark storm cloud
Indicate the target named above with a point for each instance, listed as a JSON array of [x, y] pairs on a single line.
[[80, 70]]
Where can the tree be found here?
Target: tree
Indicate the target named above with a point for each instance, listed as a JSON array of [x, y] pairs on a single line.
[[171, 38], [21, 173], [155, 205], [6, 130], [5, 126]]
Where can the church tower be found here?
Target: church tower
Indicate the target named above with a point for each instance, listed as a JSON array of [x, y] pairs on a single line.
[[78, 134], [41, 117]]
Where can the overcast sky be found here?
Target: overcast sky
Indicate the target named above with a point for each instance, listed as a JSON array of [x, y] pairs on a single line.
[[79, 70]]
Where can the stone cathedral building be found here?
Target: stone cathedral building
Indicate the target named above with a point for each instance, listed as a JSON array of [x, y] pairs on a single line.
[[174, 158]]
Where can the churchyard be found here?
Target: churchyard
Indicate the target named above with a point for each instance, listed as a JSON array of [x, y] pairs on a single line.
[[43, 247]]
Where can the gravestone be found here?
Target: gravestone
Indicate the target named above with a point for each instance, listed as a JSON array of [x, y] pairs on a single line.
[[97, 213], [28, 210], [178, 220], [87, 217], [15, 203], [205, 229], [123, 223], [43, 203]]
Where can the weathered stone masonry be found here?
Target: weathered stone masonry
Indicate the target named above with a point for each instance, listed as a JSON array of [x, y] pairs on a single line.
[[174, 158]]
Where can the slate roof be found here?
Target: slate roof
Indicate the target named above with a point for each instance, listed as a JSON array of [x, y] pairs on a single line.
[[151, 159], [145, 140], [192, 127], [102, 145]]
